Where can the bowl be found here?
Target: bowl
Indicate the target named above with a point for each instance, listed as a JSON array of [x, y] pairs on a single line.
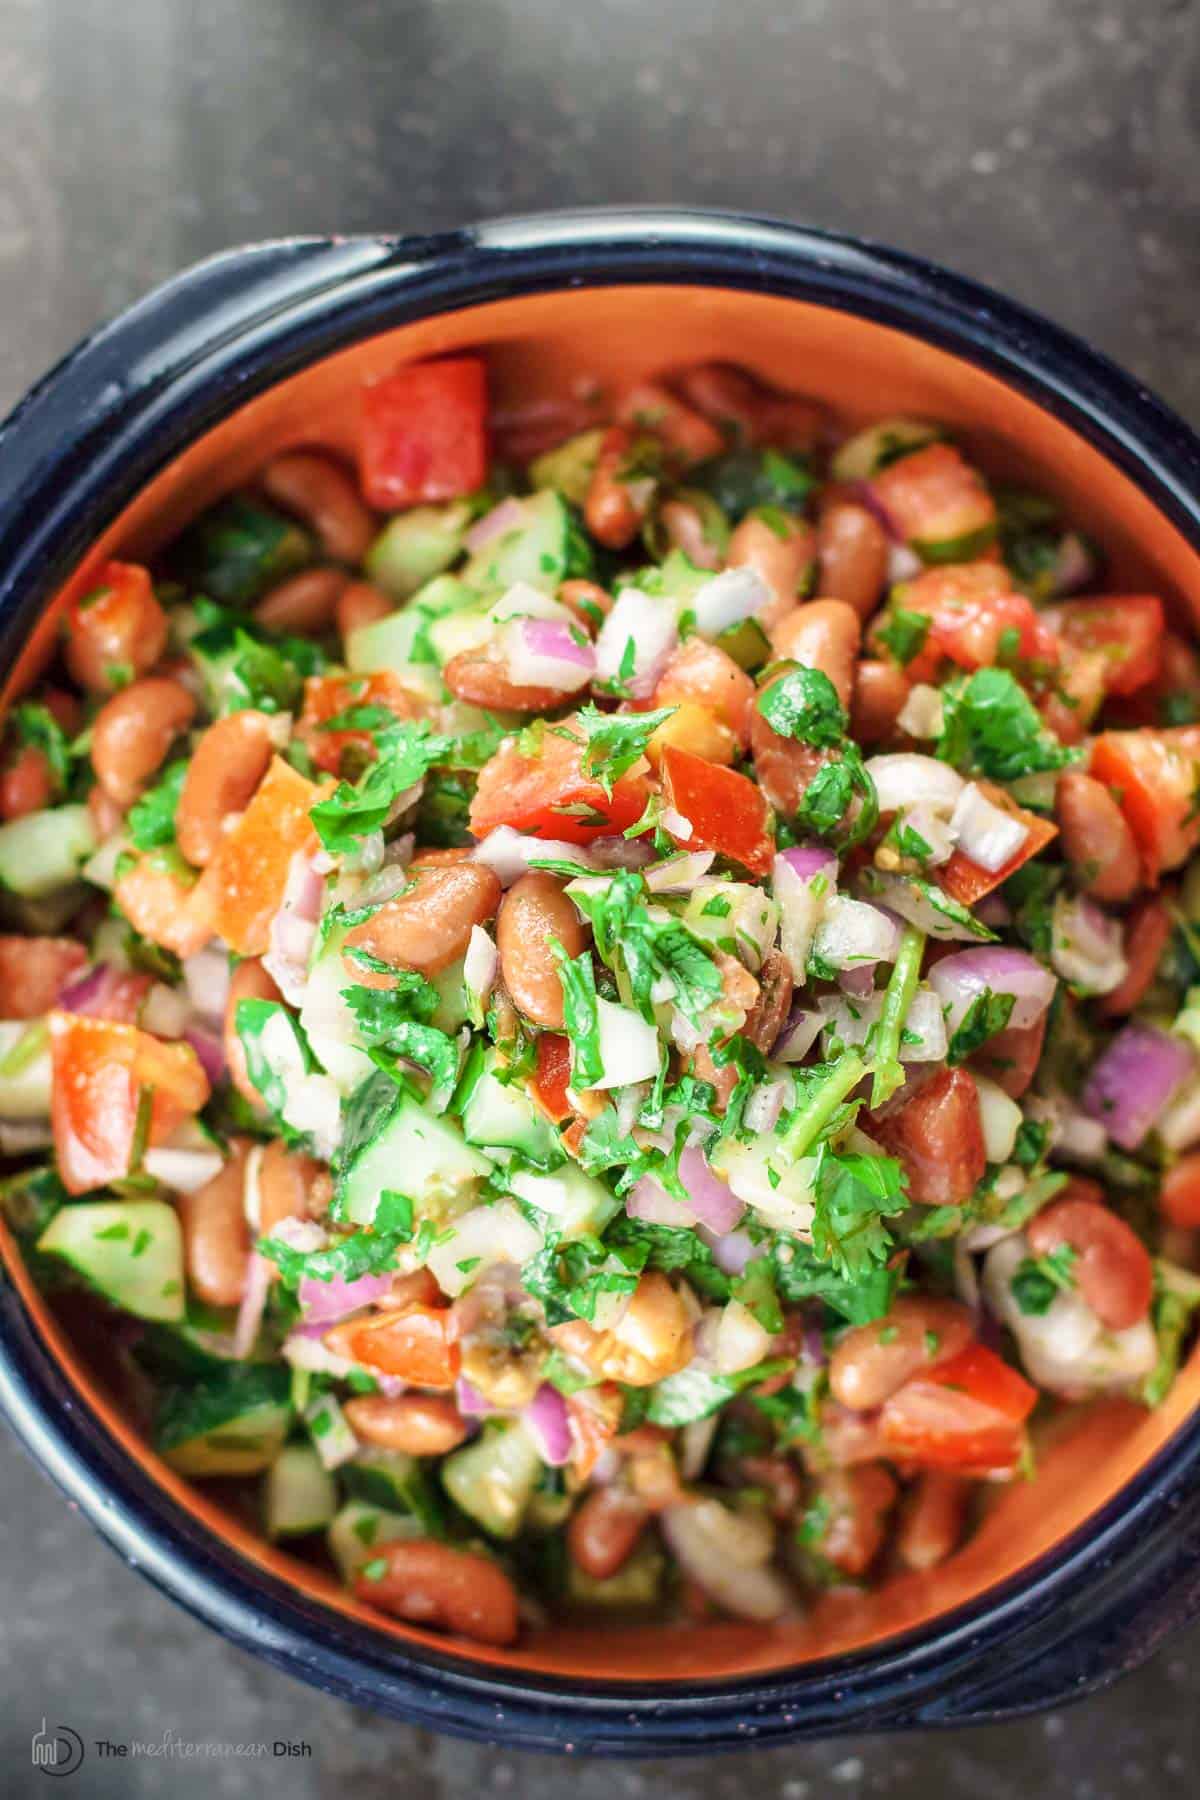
[[1071, 1579]]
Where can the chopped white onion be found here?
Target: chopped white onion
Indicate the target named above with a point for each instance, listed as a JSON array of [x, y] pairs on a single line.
[[803, 900], [986, 833], [679, 874], [848, 1023], [629, 1047], [480, 965], [722, 1552], [1001, 1119], [1179, 1124], [853, 933], [906, 778], [650, 625], [675, 823], [166, 1011], [741, 1340], [509, 854], [765, 1104], [206, 977], [730, 597], [922, 713], [1086, 945], [798, 1036], [494, 1234]]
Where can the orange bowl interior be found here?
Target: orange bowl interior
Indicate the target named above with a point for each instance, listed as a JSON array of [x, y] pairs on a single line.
[[541, 346]]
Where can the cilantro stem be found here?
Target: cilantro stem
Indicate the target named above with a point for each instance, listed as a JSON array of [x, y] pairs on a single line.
[[821, 1105], [898, 997]]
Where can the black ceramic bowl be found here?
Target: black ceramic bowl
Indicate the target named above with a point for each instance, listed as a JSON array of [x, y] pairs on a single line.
[[1072, 1579]]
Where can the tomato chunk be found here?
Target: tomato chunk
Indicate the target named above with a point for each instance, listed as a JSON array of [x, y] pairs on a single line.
[[418, 1345], [1010, 1058], [702, 672], [974, 616], [966, 1414], [937, 503], [1153, 775], [547, 793], [34, 971], [249, 872], [1179, 1200], [968, 881], [727, 812], [424, 434], [1128, 628], [553, 1076], [938, 1137], [100, 1070], [325, 696]]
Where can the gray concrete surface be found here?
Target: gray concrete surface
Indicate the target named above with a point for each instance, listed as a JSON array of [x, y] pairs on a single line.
[[1051, 147]]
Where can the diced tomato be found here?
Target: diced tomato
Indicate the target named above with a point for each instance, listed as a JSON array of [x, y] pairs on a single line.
[[553, 1076], [968, 881], [424, 434], [727, 812], [100, 1069], [702, 672], [965, 1414], [974, 616], [594, 1414], [937, 1134], [417, 1344], [547, 794], [1172, 697], [325, 696], [114, 626], [1011, 1057], [1179, 1197], [250, 870], [937, 503], [34, 971], [1154, 777], [1128, 628], [1148, 926], [1070, 705]]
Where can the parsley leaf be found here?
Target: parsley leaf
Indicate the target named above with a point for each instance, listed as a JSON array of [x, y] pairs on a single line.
[[827, 806], [151, 820], [277, 1056], [581, 1020], [1038, 1279], [804, 704], [801, 1275], [243, 665], [408, 750], [348, 1258], [693, 1394], [990, 727], [646, 948], [987, 1014], [853, 1194]]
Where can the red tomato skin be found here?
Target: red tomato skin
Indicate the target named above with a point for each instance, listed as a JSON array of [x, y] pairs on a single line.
[[967, 881], [938, 1137], [539, 794], [424, 434], [1179, 1199], [1153, 775], [553, 1076], [728, 812], [417, 1345], [933, 496], [99, 1068], [1129, 628], [966, 1414], [1011, 1057], [325, 696]]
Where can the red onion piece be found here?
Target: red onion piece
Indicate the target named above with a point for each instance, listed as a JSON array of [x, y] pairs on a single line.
[[801, 1029], [547, 653], [1134, 1081], [858, 982], [713, 1201], [206, 977], [323, 1303], [649, 1201], [254, 1299], [620, 853], [958, 981], [508, 515], [648, 623], [765, 1104], [865, 494], [679, 874], [91, 992], [209, 1049], [470, 1402], [731, 1250], [548, 1423], [986, 833], [294, 929], [807, 860], [508, 853]]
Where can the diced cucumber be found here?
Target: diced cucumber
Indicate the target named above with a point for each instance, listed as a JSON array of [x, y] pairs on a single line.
[[131, 1251], [24, 1069], [955, 546], [415, 546], [580, 1205], [45, 850], [453, 1008], [677, 578], [358, 1531], [328, 1023], [735, 917], [500, 1116], [415, 1153], [868, 451], [240, 548], [635, 1586], [381, 1478], [747, 479], [300, 1495], [330, 1431], [231, 1423], [496, 1232], [492, 1480], [401, 640], [569, 466], [747, 643], [189, 1349], [543, 550]]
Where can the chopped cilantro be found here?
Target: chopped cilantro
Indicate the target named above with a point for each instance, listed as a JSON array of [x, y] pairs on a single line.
[[990, 728], [804, 705], [407, 751], [987, 1014], [903, 633], [151, 820]]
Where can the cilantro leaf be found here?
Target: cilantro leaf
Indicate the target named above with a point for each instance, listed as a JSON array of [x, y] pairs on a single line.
[[408, 750], [360, 1253], [801, 1275], [243, 665], [581, 1020], [569, 1278], [377, 1011], [646, 948], [151, 820], [694, 1394], [1038, 1279], [903, 633], [670, 1248], [853, 1194], [990, 727], [36, 727], [277, 1056], [614, 741], [827, 806], [987, 1014], [804, 705]]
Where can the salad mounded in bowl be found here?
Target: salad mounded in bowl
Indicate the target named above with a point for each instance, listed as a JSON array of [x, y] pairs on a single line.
[[603, 1009]]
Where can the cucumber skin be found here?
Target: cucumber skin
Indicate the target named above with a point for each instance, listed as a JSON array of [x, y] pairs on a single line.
[[415, 546], [44, 851], [413, 1150], [232, 1423], [299, 1494], [492, 1480]]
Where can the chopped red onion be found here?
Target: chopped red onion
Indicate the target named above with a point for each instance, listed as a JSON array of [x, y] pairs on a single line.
[[620, 853], [547, 653], [294, 929], [864, 493], [803, 884], [675, 823], [858, 982], [324, 1303], [206, 977], [649, 1201], [730, 597], [509, 854], [766, 1103], [508, 515], [719, 1550], [899, 895], [1087, 944], [906, 779], [986, 833], [548, 1423], [679, 874], [1134, 1081], [960, 979], [254, 1299], [1075, 564], [712, 1200], [91, 992], [731, 1250], [650, 625], [470, 1402], [807, 860], [211, 1051], [800, 1031]]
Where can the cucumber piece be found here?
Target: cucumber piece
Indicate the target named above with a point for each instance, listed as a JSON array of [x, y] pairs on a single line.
[[328, 1023], [415, 546], [300, 1495], [357, 1531], [477, 625], [131, 1251], [492, 1480], [240, 548], [330, 1432], [868, 451], [747, 643], [580, 1205], [381, 1478], [569, 467], [634, 1587], [401, 640], [961, 547], [232, 1423], [45, 850], [503, 1117], [543, 550], [24, 1069], [739, 919], [416, 1153], [453, 1009], [746, 479], [190, 1349]]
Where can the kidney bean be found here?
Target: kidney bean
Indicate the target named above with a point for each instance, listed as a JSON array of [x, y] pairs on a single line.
[[586, 599], [765, 1019], [116, 637], [534, 915], [417, 1424], [603, 1531], [688, 435], [27, 784], [305, 604], [428, 926], [1112, 1268], [1147, 928], [106, 814], [434, 1584], [216, 1235], [931, 1525], [360, 604], [321, 493], [745, 408], [133, 731], [1095, 838], [852, 556], [825, 635], [226, 767], [880, 690], [291, 1185], [781, 552], [615, 507], [169, 911], [872, 1361], [857, 1503], [34, 971], [777, 1476], [481, 678], [937, 1133], [249, 981], [683, 527]]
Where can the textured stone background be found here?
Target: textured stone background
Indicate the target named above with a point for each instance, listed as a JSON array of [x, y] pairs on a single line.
[[1051, 147]]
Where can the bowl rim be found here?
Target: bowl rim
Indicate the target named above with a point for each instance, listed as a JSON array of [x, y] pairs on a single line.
[[74, 452]]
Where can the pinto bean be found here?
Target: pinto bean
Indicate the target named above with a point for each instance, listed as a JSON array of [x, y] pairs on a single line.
[[932, 1521], [249, 981], [765, 1019], [34, 971], [535, 914], [1112, 1268], [417, 1424], [106, 814], [177, 914], [304, 603], [226, 767], [291, 1185], [586, 599], [360, 604], [738, 402], [688, 435], [319, 491], [1095, 839], [781, 552], [27, 784], [852, 556], [603, 1531], [1147, 928], [134, 730], [825, 635], [428, 926], [872, 1361], [880, 690], [434, 1584], [857, 1503], [481, 678], [216, 1235], [683, 526], [616, 506]]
